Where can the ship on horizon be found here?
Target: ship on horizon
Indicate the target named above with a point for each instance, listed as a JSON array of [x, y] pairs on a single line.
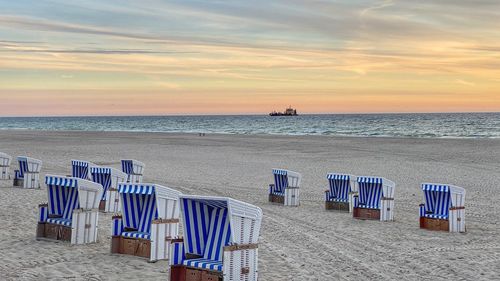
[[288, 112]]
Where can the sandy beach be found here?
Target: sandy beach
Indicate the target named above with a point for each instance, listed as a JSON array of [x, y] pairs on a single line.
[[304, 243]]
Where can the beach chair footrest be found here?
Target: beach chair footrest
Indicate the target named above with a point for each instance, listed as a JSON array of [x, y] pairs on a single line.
[[337, 206], [434, 224], [366, 213], [53, 231], [131, 246], [183, 273], [274, 198]]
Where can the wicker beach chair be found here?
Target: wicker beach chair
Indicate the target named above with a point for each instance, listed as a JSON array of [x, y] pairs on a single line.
[[109, 178], [375, 199], [340, 195], [28, 175], [150, 215], [81, 169], [5, 161], [443, 208], [71, 213], [220, 240], [134, 169], [285, 189]]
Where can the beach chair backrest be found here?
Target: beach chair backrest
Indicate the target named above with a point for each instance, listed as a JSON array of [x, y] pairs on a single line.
[[81, 169], [439, 198], [285, 178], [210, 223], [340, 185], [5, 159], [370, 191], [107, 177], [138, 205], [23, 166], [131, 166]]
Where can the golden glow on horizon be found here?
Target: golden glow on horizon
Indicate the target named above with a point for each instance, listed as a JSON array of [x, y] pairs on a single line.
[[430, 69]]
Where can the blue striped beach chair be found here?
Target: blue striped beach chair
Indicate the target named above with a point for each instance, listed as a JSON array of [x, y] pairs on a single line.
[[5, 161], [443, 208], [150, 214], [134, 169], [109, 178], [340, 195], [71, 213], [220, 239], [28, 175], [81, 169], [285, 189], [375, 199]]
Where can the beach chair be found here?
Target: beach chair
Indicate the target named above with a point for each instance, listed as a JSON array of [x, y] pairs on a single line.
[[150, 215], [340, 195], [28, 175], [5, 161], [81, 169], [71, 213], [220, 240], [375, 199], [109, 178], [134, 169], [443, 208], [285, 189]]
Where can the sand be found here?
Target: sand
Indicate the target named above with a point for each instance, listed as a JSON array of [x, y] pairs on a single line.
[[303, 243]]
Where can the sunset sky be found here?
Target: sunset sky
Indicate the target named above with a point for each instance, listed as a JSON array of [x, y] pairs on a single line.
[[243, 57]]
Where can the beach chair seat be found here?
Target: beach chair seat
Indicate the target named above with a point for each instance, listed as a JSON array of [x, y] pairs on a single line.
[[204, 264], [375, 199], [71, 213], [339, 195], [220, 240], [109, 178], [150, 214], [134, 170], [285, 189], [443, 208], [28, 174]]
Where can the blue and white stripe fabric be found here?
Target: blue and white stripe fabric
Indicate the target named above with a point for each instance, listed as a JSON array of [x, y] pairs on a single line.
[[437, 200], [339, 187], [139, 209], [103, 177], [63, 199], [370, 192], [207, 231], [80, 169], [177, 256], [43, 213], [280, 182], [127, 167], [117, 228], [23, 168]]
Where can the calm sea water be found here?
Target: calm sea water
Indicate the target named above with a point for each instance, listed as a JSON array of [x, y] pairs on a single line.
[[442, 125]]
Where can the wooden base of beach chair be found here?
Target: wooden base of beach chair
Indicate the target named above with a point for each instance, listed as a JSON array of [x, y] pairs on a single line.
[[366, 214], [18, 182], [182, 273], [53, 231], [276, 198], [131, 246], [434, 224], [337, 206], [102, 205]]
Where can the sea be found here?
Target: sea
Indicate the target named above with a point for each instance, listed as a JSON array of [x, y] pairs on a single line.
[[417, 125]]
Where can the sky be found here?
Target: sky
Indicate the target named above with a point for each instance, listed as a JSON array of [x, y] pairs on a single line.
[[248, 57]]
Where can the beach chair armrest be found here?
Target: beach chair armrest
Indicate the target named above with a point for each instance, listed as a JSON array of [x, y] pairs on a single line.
[[165, 221], [241, 247], [116, 225], [176, 250]]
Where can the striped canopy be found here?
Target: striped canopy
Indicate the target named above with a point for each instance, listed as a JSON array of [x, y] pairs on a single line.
[[63, 196], [148, 189], [370, 191], [107, 177], [340, 186], [439, 198]]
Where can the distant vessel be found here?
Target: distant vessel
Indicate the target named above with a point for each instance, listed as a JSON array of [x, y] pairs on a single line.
[[288, 112]]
